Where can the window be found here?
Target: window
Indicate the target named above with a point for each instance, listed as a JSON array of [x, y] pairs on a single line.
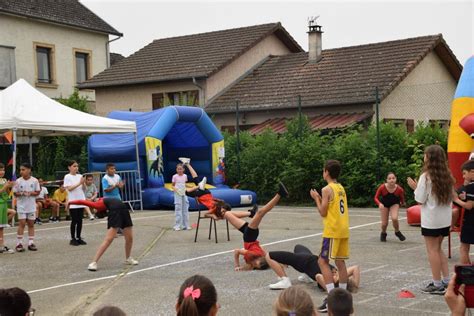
[[189, 98], [444, 124], [82, 73], [157, 100], [408, 124], [43, 61], [7, 66], [45, 65]]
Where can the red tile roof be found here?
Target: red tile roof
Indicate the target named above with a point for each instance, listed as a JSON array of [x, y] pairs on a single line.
[[185, 57], [320, 122], [345, 75]]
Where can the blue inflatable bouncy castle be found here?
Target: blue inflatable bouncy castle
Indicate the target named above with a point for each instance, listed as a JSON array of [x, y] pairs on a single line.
[[164, 135]]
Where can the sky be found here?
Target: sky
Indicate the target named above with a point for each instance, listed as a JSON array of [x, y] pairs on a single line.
[[345, 23]]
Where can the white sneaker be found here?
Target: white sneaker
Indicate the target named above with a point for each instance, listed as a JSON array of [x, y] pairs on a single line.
[[202, 184], [189, 228], [284, 283], [92, 217], [92, 266], [305, 279], [176, 228], [184, 160], [131, 261]]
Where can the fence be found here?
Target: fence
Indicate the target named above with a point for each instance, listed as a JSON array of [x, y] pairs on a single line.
[[131, 192]]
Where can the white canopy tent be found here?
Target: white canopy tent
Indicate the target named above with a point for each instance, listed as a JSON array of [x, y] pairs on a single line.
[[28, 112]]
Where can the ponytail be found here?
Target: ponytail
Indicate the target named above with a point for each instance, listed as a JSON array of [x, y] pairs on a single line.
[[197, 296]]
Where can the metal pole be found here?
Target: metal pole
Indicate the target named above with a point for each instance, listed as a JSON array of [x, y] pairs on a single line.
[[300, 127], [138, 170], [377, 124], [30, 150], [237, 131], [14, 156]]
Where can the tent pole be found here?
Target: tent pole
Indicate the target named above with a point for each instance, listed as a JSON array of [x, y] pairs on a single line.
[[14, 156], [138, 170], [30, 150]]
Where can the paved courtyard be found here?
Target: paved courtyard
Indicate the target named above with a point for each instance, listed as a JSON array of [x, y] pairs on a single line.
[[59, 283]]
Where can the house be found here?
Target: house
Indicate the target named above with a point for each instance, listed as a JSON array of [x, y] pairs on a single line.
[[187, 70], [52, 44], [263, 69]]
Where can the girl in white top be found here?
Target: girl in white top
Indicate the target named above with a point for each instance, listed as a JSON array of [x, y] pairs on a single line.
[[74, 184], [181, 203], [434, 191]]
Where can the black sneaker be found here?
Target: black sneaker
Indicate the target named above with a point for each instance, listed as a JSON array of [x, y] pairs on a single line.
[[253, 211], [324, 306], [432, 289], [400, 236], [19, 248], [68, 218], [38, 221], [383, 237], [74, 242], [81, 241], [282, 190], [51, 219], [32, 247], [5, 249]]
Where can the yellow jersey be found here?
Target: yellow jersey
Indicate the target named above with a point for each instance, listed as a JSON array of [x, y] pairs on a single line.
[[60, 196], [336, 222]]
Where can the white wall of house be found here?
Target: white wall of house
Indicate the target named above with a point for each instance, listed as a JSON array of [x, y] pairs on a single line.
[[425, 94], [22, 33], [271, 45], [135, 97]]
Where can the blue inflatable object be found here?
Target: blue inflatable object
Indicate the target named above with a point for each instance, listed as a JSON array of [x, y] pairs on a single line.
[[164, 135]]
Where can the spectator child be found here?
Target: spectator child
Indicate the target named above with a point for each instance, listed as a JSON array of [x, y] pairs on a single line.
[[467, 194], [90, 191], [26, 189], [42, 201], [340, 303], [294, 301], [5, 212], [109, 311], [74, 184], [111, 183], [60, 198], [181, 203], [332, 206], [15, 302], [197, 296], [434, 191]]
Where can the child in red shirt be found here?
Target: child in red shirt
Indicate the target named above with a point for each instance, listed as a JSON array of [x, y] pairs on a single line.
[[389, 197], [253, 254]]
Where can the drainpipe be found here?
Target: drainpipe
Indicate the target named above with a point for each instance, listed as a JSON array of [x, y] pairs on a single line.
[[107, 50], [201, 92]]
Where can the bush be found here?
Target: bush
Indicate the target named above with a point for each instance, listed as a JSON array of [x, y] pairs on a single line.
[[297, 158]]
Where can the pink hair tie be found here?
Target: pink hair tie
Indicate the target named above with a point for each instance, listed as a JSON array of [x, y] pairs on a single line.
[[190, 291]]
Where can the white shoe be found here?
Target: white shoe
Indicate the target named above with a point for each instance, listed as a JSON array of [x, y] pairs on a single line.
[[131, 261], [305, 279], [92, 217], [189, 228], [184, 160], [176, 229], [202, 184], [92, 266], [284, 283]]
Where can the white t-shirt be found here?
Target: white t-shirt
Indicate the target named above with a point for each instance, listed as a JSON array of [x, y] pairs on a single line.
[[44, 191], [26, 204], [433, 215], [77, 193]]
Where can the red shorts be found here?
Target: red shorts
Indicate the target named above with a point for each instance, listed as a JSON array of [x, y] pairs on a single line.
[[208, 201]]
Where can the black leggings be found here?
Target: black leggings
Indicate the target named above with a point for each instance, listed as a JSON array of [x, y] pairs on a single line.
[[302, 260], [76, 222]]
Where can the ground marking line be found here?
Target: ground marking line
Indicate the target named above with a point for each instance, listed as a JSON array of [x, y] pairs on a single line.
[[376, 268], [90, 224], [187, 260]]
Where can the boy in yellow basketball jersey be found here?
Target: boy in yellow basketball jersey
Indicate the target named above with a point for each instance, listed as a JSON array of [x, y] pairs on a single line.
[[332, 205]]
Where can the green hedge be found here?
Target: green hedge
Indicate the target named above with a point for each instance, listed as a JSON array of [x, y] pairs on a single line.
[[297, 158]]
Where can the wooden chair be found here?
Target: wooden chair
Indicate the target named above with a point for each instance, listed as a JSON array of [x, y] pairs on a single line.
[[212, 222]]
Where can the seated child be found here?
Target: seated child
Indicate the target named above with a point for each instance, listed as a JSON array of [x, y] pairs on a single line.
[[90, 191], [294, 301], [42, 201], [340, 303], [60, 199], [197, 296]]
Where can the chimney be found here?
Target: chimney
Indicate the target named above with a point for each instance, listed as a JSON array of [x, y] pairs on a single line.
[[314, 41]]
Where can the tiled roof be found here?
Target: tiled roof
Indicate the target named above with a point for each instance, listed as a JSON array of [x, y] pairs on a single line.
[[320, 122], [346, 75], [198, 55], [115, 58], [67, 12]]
